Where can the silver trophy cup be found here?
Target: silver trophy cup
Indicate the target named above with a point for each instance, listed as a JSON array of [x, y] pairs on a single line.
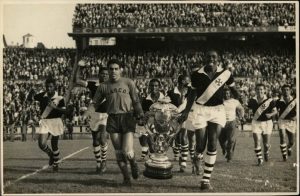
[[161, 127]]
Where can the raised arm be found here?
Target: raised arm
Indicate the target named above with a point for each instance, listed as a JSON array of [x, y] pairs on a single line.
[[78, 80]]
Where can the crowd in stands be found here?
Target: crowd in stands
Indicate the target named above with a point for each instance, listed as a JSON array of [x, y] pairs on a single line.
[[183, 15], [249, 66], [35, 64]]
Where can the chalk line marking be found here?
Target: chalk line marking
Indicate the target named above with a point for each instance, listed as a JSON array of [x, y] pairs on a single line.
[[8, 183], [265, 182]]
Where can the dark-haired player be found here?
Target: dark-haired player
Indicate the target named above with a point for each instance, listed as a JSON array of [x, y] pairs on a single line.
[[286, 107], [178, 96], [153, 96], [98, 119], [52, 107], [123, 108], [263, 109], [206, 101], [227, 136]]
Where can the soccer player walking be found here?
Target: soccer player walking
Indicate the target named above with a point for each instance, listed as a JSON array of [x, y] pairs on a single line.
[[263, 109], [208, 83], [123, 108], [98, 119], [286, 107], [153, 96], [227, 137], [52, 107], [178, 96]]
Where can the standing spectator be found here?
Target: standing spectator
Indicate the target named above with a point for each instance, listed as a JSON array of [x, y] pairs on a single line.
[[70, 129], [24, 124]]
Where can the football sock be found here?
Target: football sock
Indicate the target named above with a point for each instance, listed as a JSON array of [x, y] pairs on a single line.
[[209, 162], [97, 153]]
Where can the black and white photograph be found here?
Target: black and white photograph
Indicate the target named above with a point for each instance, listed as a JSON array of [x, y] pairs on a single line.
[[149, 97]]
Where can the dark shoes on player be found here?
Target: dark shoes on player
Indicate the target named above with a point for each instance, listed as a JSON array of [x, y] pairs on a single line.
[[126, 182], [103, 167], [206, 186], [182, 165], [266, 156], [51, 159], [260, 162], [196, 165], [223, 151], [228, 156], [134, 169], [284, 157], [55, 167], [289, 152]]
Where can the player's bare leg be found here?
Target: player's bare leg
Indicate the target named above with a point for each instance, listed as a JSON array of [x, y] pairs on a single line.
[[117, 139], [127, 146]]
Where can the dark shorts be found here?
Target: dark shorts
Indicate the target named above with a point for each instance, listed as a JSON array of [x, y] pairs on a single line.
[[120, 123]]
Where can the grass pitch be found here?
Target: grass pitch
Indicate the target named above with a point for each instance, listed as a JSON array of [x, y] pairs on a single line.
[[23, 171]]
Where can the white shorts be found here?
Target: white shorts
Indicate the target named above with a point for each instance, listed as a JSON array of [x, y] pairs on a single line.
[[188, 124], [289, 125], [262, 127], [97, 119], [54, 126], [202, 114]]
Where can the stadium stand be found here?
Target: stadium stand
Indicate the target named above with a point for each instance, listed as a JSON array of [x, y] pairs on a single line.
[[250, 61]]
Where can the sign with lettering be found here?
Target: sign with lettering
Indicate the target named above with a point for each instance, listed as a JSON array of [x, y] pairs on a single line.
[[173, 30]]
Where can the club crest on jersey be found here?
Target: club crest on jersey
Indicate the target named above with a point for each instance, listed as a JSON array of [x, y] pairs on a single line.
[[219, 82]]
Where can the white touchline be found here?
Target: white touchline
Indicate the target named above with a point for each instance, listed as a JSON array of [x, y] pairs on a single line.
[[266, 182], [8, 183]]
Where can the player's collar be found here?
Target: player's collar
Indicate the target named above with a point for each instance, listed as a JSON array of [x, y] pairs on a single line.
[[264, 98], [282, 99], [55, 94], [176, 90], [150, 98], [219, 69]]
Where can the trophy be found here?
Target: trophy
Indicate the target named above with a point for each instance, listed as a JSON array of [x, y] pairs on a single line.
[[161, 127]]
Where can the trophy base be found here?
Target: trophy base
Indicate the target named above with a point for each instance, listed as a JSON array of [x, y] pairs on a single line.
[[158, 168]]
